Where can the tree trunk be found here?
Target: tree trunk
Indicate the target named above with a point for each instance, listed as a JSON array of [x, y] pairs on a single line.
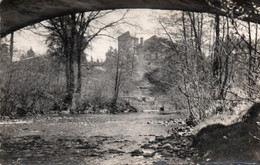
[[11, 46], [117, 79], [69, 50], [216, 57], [5, 106], [256, 60], [133, 61], [71, 62], [67, 61], [69, 81], [250, 61], [225, 73], [184, 33], [79, 60], [197, 39]]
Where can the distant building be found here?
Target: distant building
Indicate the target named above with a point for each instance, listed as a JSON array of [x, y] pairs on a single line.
[[145, 55], [153, 48], [127, 45], [29, 54]]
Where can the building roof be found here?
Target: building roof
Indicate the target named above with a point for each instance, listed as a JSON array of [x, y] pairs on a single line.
[[151, 39], [126, 34]]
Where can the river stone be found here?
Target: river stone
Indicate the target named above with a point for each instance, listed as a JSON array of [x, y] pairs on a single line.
[[167, 146], [114, 151], [137, 152], [147, 155], [146, 146], [160, 163], [166, 154], [159, 138]]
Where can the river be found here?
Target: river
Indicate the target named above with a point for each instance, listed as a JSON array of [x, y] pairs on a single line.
[[83, 139]]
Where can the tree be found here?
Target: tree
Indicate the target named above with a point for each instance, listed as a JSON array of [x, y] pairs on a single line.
[[185, 65], [69, 36], [119, 67], [216, 56], [6, 73], [11, 46], [113, 66], [224, 76]]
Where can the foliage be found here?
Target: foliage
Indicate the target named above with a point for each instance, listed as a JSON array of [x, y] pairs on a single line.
[[68, 37], [187, 75], [31, 90], [121, 69]]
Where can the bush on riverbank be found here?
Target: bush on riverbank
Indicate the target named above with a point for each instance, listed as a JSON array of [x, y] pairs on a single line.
[[236, 142], [105, 106], [37, 86]]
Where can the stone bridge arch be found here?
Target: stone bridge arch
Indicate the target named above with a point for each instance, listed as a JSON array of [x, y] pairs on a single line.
[[16, 14]]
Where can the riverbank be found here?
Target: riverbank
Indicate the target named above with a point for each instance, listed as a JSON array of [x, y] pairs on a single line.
[[232, 142]]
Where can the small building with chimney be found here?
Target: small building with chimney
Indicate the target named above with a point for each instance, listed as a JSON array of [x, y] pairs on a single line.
[[151, 49]]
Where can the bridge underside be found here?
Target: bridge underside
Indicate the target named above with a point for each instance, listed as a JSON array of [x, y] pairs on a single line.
[[16, 14]]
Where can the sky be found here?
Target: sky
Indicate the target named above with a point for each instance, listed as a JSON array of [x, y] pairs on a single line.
[[24, 39]]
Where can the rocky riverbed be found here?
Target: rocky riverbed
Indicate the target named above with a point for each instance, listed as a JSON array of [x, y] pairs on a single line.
[[135, 138], [131, 138]]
